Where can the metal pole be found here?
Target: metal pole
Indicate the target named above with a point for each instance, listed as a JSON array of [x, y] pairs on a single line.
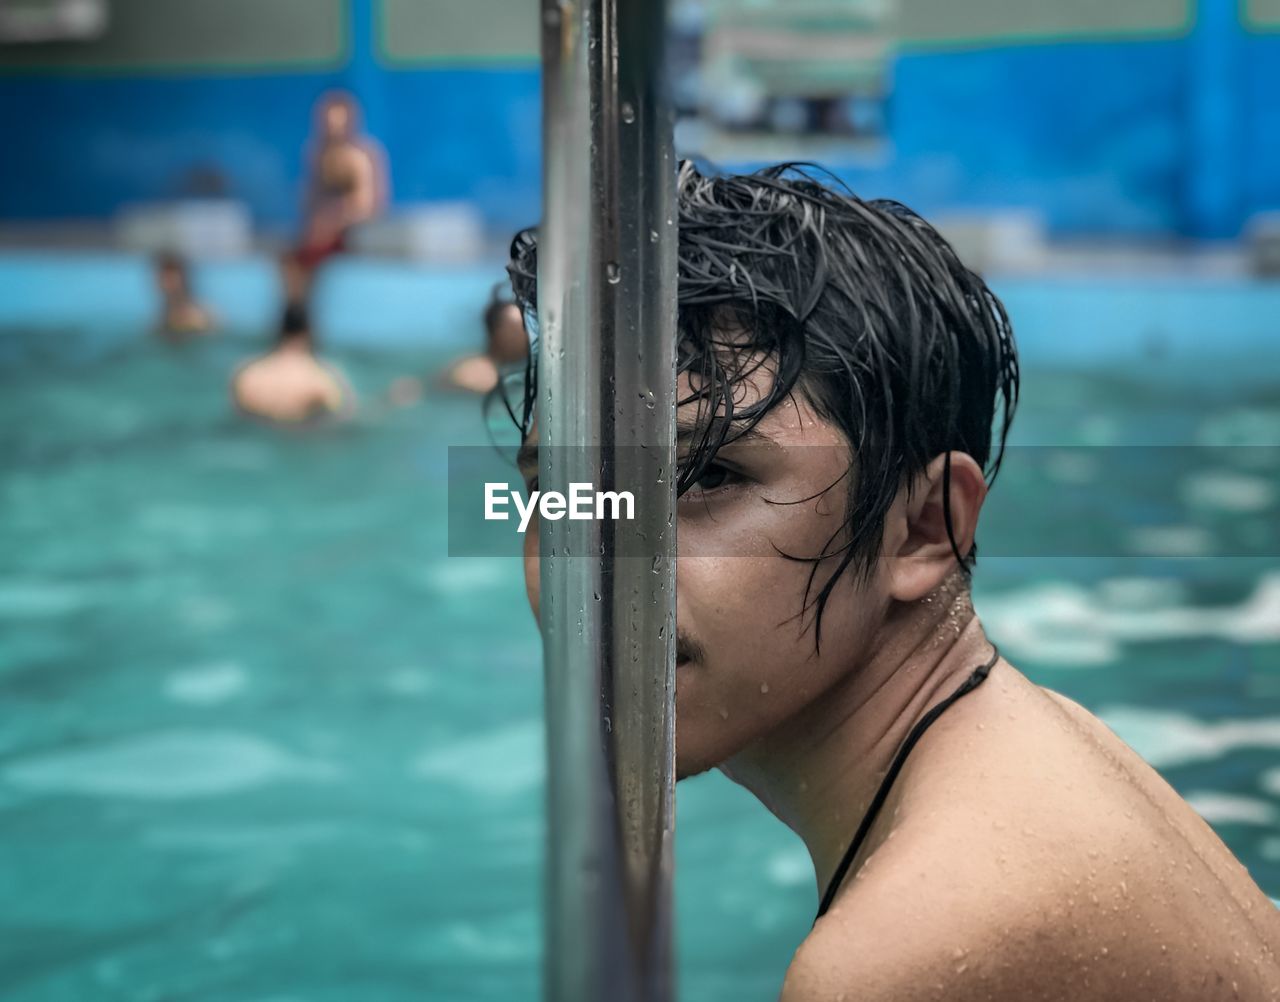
[[606, 417]]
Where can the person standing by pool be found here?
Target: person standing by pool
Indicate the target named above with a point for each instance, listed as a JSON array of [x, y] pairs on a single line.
[[346, 184], [974, 836], [181, 317], [289, 384]]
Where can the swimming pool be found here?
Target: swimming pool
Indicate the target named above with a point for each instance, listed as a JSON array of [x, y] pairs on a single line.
[[263, 741]]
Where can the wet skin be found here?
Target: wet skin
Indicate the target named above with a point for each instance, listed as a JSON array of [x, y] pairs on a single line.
[[506, 343], [1024, 852], [290, 385]]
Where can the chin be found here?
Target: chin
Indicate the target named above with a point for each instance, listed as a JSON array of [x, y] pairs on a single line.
[[694, 761], [690, 762], [689, 770]]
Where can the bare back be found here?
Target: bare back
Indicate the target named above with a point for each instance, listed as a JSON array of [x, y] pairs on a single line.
[[291, 387]]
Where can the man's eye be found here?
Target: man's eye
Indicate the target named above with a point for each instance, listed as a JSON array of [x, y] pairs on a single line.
[[714, 477]]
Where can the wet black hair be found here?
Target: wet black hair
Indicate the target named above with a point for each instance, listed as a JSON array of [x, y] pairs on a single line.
[[859, 306], [295, 321], [168, 260]]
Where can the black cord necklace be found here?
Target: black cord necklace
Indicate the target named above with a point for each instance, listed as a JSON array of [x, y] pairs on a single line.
[[972, 682]]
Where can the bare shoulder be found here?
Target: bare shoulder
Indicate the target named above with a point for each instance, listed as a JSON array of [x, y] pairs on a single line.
[[243, 374], [1039, 858], [901, 936]]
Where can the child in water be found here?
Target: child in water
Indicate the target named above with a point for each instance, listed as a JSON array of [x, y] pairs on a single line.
[[506, 345], [181, 317]]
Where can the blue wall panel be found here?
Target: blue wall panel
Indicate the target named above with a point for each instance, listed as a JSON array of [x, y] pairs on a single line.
[[1088, 133], [1261, 102], [1164, 136], [91, 144]]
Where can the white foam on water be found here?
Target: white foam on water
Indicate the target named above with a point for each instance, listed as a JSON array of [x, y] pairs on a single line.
[[171, 765], [789, 869], [1225, 808], [501, 763], [21, 599], [1258, 619], [1224, 490], [1166, 738], [1050, 624], [409, 681], [206, 685], [1141, 593], [204, 612], [468, 574], [1072, 467], [506, 939], [1247, 426], [1171, 540], [1270, 781], [1098, 429], [1071, 625]]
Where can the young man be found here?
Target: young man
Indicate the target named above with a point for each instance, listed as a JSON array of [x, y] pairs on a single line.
[[289, 384], [347, 182], [974, 836]]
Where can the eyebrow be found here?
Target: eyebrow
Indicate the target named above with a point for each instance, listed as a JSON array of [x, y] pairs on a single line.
[[685, 434], [527, 455]]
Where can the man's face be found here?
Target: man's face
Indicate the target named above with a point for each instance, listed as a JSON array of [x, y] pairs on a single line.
[[337, 120], [508, 341], [745, 657], [172, 281]]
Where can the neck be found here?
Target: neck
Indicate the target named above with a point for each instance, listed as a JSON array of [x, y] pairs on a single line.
[[819, 771], [297, 343]]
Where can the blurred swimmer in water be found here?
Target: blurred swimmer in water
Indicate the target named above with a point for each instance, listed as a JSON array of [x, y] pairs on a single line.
[[506, 345], [347, 180], [289, 384], [181, 317], [845, 386]]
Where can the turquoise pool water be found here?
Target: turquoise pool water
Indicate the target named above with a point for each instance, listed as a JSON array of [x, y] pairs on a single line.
[[262, 740]]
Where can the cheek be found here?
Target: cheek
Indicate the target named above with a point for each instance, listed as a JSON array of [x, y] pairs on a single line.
[[744, 611], [741, 611], [532, 574], [760, 667]]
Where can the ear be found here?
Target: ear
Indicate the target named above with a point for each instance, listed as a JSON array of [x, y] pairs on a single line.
[[918, 554]]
